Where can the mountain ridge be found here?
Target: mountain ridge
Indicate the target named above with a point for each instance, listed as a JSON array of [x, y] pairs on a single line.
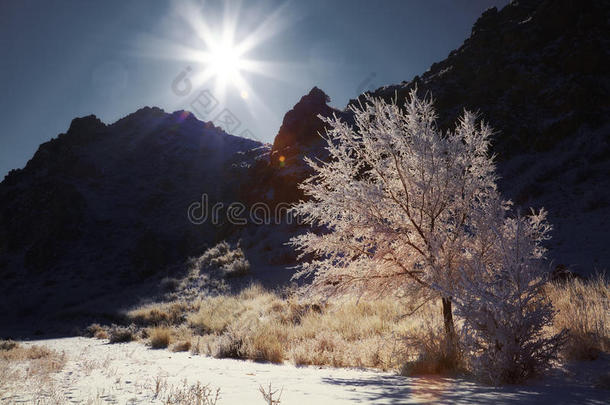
[[105, 204]]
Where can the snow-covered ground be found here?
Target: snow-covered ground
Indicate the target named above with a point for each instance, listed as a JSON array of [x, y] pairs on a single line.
[[98, 372]]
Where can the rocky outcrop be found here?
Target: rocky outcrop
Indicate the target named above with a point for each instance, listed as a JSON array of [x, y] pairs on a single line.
[[282, 168], [300, 128]]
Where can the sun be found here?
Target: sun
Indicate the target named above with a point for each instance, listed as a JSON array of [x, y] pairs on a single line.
[[221, 49], [225, 62], [223, 45]]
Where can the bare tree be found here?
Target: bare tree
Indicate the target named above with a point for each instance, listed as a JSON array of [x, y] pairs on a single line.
[[398, 201]]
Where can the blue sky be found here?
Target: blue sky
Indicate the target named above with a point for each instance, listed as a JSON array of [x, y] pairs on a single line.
[[64, 59]]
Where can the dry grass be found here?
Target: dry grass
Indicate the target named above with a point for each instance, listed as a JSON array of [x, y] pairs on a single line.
[[184, 394], [584, 310], [97, 331], [19, 364], [261, 325], [182, 346], [160, 337], [159, 314]]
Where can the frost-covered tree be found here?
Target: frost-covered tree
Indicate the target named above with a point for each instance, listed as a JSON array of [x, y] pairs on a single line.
[[501, 300], [398, 200]]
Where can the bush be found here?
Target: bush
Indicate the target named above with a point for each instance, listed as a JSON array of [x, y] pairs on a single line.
[[96, 330], [160, 337], [6, 345], [237, 268], [228, 346], [183, 346], [222, 258], [122, 334], [501, 299]]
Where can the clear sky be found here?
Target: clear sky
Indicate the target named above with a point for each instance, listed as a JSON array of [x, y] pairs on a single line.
[[64, 59]]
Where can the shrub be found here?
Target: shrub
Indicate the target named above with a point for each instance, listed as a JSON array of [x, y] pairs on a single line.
[[230, 262], [228, 346], [6, 345], [160, 337], [237, 268], [183, 346], [502, 302], [122, 334], [96, 330]]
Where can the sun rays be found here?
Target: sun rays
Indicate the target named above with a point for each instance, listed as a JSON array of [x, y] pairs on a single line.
[[220, 48]]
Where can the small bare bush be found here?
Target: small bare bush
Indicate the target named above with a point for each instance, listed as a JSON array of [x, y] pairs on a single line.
[[97, 331], [122, 334], [584, 310], [223, 258], [160, 337], [271, 396], [183, 346], [185, 394], [6, 345]]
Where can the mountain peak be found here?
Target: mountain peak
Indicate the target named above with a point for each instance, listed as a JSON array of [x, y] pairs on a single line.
[[301, 124], [317, 95], [89, 123]]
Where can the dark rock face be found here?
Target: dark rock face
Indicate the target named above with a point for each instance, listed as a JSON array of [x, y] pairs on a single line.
[[109, 202], [276, 175], [301, 126], [537, 70]]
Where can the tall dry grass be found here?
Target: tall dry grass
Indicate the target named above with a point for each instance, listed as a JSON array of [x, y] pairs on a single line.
[[260, 325], [31, 364], [584, 310], [385, 333], [160, 337]]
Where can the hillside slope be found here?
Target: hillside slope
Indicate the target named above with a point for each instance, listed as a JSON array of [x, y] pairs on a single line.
[[104, 205], [538, 73]]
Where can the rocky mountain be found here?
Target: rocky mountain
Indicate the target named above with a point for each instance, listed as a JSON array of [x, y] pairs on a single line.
[[538, 72], [104, 206], [107, 203], [276, 177]]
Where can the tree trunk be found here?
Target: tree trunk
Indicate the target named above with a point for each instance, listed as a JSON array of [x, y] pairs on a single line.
[[448, 318]]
